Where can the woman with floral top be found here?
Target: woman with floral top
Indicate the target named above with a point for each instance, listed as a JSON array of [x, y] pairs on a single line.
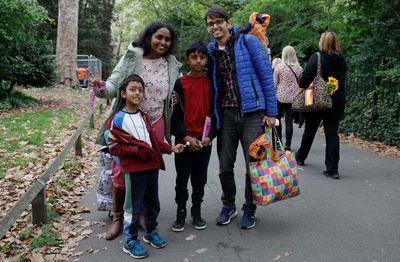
[[149, 56], [286, 77]]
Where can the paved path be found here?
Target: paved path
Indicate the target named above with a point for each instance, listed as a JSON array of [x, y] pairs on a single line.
[[353, 219]]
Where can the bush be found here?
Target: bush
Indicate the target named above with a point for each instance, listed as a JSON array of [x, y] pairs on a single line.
[[17, 99], [25, 56], [375, 114]]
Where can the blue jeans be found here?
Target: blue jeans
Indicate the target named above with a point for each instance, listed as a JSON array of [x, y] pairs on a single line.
[[144, 193], [236, 127]]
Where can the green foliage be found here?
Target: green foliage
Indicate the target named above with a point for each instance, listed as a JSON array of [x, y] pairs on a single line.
[[17, 99], [51, 214], [25, 57], [374, 115], [94, 32], [63, 181], [25, 234], [48, 237]]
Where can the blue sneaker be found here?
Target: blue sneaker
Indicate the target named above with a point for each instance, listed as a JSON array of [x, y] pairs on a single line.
[[135, 249], [154, 239], [249, 217], [226, 215]]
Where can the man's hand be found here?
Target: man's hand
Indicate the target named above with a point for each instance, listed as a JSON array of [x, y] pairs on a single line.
[[269, 121]]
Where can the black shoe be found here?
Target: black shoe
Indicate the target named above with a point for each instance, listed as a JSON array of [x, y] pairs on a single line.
[[287, 148], [249, 217], [179, 224], [199, 223], [331, 175], [300, 163]]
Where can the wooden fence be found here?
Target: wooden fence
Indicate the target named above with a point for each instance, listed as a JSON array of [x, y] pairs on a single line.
[[36, 194]]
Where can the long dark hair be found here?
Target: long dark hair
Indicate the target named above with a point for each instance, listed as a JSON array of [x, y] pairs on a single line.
[[144, 38], [120, 103]]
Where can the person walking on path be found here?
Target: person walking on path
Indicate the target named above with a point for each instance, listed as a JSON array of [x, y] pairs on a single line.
[[286, 78], [244, 101], [150, 56], [189, 126], [132, 139], [333, 65]]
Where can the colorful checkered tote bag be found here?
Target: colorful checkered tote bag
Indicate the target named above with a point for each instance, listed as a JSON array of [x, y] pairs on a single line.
[[276, 179]]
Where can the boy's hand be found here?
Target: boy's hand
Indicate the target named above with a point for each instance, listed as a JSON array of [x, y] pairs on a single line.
[[195, 144], [206, 142], [178, 148], [174, 98]]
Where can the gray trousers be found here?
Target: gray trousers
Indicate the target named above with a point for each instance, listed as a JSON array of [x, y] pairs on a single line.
[[234, 128]]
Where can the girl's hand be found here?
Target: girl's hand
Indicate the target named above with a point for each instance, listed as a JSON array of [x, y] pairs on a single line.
[[178, 148], [206, 142], [174, 98], [98, 86], [195, 144]]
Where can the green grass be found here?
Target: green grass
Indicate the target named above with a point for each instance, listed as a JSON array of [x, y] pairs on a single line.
[[26, 133], [46, 238]]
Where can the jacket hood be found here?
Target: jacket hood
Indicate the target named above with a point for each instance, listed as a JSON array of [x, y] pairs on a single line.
[[334, 59]]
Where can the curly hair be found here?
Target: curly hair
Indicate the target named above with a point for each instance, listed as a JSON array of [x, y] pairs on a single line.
[[144, 39]]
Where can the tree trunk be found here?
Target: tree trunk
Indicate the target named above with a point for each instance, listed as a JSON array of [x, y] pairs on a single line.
[[67, 41]]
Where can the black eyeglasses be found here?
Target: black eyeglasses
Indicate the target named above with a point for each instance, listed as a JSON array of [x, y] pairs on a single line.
[[217, 22]]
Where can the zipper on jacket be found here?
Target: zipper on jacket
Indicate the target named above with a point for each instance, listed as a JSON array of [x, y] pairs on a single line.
[[236, 82], [255, 92]]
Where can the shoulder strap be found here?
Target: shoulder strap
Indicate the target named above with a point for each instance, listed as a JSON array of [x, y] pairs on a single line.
[[297, 80], [319, 64]]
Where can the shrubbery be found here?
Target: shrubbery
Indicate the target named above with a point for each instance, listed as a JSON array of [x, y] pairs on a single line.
[[374, 114], [25, 56]]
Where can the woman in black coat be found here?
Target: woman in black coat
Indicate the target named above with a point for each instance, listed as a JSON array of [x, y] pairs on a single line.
[[334, 65]]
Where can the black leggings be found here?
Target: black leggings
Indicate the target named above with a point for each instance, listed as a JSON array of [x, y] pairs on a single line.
[[285, 109]]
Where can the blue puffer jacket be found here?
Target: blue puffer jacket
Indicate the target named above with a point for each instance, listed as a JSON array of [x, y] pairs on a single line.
[[253, 75]]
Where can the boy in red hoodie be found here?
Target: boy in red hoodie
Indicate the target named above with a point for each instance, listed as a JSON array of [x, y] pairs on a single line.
[[132, 140]]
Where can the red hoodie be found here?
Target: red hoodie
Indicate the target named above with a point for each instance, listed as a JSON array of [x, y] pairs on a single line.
[[127, 148]]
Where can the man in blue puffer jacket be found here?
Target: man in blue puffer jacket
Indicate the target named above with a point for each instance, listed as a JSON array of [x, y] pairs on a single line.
[[244, 100]]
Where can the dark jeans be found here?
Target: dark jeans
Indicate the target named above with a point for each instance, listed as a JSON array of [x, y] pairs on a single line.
[[144, 193], [331, 125], [235, 128], [285, 109], [193, 165]]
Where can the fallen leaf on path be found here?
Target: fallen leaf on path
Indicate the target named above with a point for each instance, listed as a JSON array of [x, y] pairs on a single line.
[[190, 237], [201, 250]]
